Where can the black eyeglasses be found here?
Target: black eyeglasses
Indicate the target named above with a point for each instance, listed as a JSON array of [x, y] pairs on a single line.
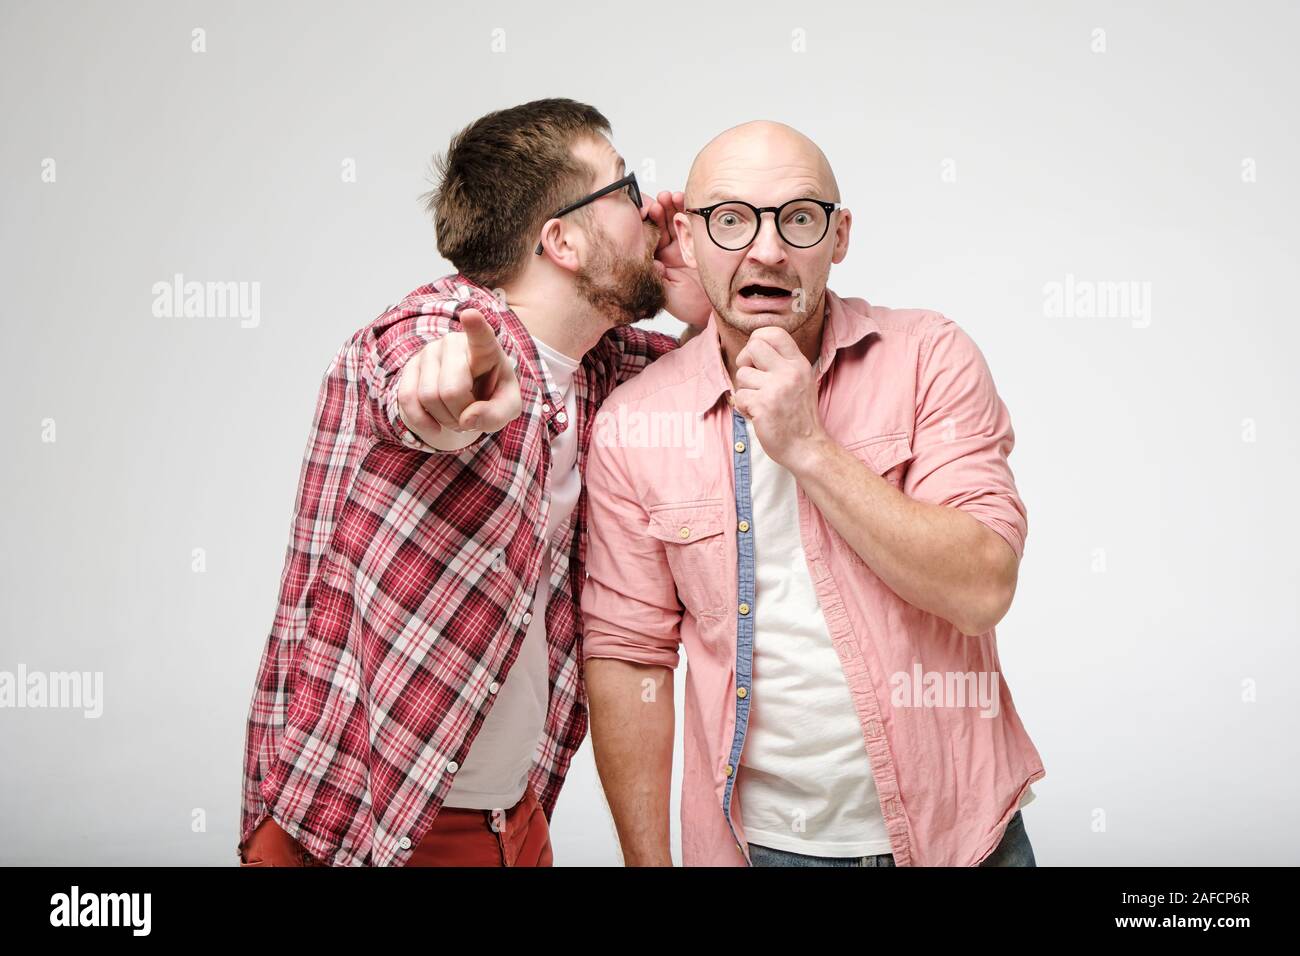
[[628, 182], [734, 224]]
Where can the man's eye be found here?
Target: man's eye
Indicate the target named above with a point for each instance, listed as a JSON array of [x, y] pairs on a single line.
[[727, 219]]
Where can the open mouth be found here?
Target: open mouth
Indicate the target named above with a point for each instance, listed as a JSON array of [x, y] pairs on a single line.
[[763, 292]]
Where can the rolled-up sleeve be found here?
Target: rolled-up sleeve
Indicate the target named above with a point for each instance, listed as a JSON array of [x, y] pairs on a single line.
[[630, 609], [963, 437]]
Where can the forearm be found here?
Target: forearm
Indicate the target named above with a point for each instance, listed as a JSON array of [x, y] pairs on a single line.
[[936, 558], [632, 726]]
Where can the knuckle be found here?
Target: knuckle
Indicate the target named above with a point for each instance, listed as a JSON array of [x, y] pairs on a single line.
[[428, 394]]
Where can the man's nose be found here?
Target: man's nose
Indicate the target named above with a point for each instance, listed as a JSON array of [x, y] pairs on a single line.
[[767, 247]]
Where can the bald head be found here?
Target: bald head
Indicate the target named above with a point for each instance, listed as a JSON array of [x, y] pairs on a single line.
[[767, 279], [757, 155]]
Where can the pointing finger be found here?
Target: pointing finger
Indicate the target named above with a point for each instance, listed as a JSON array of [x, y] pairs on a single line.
[[485, 352]]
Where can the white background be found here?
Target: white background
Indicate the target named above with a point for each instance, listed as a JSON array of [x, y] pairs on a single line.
[[175, 434]]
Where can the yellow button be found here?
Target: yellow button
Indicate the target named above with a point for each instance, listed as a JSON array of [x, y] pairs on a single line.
[[744, 609], [730, 770], [743, 526], [741, 692], [740, 446], [684, 533]]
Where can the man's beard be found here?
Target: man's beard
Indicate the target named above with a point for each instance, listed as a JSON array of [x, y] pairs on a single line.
[[621, 289]]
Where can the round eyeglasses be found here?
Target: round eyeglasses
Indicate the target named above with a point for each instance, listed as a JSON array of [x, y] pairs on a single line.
[[734, 224]]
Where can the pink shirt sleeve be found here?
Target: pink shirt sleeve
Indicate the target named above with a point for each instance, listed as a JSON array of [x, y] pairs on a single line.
[[630, 609], [963, 437]]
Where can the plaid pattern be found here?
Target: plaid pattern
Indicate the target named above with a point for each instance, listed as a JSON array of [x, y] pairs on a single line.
[[406, 591]]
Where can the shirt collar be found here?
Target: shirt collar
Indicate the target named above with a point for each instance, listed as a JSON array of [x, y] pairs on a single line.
[[848, 322]]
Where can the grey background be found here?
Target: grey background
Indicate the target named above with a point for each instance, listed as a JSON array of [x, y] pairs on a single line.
[[175, 434]]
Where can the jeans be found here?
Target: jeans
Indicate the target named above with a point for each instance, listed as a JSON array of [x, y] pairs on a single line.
[[1014, 850]]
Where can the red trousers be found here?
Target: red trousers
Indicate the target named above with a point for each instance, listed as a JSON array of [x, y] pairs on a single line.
[[459, 837]]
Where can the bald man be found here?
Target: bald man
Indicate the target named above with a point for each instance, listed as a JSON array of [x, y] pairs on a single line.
[[813, 498]]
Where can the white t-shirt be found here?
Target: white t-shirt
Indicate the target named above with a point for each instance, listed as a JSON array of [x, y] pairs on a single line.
[[495, 773], [805, 779]]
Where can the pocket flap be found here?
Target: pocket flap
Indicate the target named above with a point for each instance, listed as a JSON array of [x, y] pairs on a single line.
[[682, 524], [883, 452]]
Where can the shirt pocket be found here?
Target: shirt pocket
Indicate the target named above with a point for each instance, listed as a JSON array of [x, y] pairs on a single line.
[[887, 455], [693, 543]]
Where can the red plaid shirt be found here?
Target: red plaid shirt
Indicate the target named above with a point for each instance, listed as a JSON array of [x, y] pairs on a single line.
[[406, 591]]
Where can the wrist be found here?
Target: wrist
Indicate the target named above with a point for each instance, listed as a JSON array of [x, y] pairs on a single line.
[[812, 455]]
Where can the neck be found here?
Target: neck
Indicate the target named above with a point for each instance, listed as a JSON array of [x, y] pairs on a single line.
[[807, 337], [550, 311]]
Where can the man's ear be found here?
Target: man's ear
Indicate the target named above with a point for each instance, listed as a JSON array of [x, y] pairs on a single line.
[[842, 229], [559, 244], [685, 238]]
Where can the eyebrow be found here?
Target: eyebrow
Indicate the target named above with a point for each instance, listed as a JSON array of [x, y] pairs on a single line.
[[713, 197]]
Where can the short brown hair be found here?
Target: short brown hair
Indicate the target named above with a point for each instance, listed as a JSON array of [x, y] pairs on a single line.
[[502, 176]]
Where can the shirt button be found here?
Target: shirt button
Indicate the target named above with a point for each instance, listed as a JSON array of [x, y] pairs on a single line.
[[528, 617], [744, 609], [743, 526], [546, 408], [741, 693], [452, 767], [730, 770], [404, 843], [561, 417], [493, 687], [684, 533], [740, 446]]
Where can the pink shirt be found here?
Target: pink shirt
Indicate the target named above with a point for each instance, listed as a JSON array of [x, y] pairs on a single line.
[[670, 563]]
